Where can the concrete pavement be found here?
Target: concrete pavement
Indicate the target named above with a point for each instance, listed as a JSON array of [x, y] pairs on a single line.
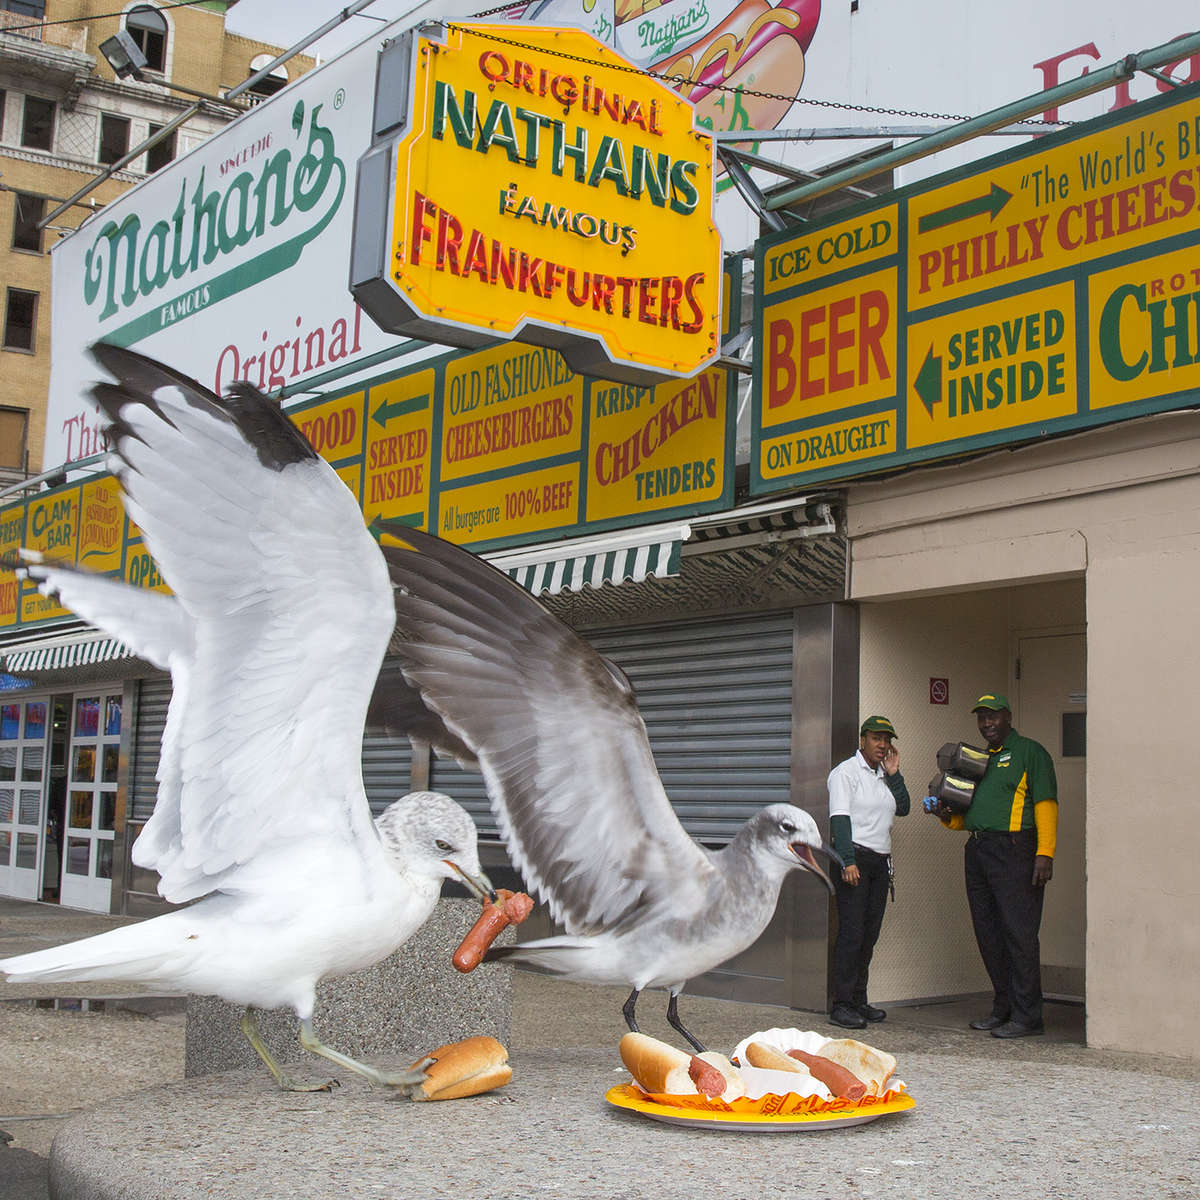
[[1043, 1117]]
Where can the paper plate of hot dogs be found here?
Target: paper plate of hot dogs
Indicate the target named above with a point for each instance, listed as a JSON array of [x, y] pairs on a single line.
[[776, 1081]]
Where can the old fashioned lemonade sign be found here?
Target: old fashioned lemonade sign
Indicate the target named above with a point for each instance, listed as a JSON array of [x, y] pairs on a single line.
[[538, 188]]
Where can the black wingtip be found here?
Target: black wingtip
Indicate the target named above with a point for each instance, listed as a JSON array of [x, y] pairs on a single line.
[[260, 420]]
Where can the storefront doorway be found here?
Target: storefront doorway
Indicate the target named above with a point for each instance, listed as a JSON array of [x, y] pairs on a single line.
[[24, 768], [1052, 707], [92, 765]]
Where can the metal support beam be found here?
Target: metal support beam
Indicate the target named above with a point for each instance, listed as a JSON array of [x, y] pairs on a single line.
[[748, 159], [747, 188], [1075, 89], [124, 160], [883, 133]]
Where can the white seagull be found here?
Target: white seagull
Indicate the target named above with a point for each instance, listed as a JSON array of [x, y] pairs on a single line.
[[280, 617], [555, 729]]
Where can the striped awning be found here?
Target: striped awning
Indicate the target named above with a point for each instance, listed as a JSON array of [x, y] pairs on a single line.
[[754, 524], [629, 556], [58, 653]]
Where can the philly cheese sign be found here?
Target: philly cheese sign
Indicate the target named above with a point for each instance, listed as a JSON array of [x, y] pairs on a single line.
[[528, 183], [1047, 289]]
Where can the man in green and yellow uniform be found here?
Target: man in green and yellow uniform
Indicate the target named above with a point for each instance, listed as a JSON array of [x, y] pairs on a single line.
[[1012, 825]]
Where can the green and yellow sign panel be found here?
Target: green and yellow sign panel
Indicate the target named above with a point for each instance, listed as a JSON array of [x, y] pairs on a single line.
[[499, 447], [545, 192], [1040, 291]]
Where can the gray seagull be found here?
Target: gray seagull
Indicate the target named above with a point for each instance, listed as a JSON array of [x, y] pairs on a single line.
[[493, 678]]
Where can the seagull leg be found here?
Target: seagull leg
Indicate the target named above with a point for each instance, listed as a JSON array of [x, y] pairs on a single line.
[[286, 1082], [407, 1081], [629, 1010], [675, 1023]]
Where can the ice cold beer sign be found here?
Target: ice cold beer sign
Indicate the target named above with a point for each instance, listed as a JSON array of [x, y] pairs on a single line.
[[543, 192]]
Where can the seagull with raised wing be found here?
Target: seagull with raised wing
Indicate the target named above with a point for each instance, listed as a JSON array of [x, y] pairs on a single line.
[[556, 731], [274, 634]]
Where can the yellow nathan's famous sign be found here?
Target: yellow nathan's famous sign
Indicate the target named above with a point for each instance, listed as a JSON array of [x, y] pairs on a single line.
[[544, 191]]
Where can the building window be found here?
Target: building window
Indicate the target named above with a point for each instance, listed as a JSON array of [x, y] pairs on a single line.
[[149, 29], [268, 85], [37, 125], [27, 212], [20, 316], [22, 16], [14, 426], [114, 138], [160, 153]]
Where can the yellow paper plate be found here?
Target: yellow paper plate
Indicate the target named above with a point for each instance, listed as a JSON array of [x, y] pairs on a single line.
[[624, 1096]]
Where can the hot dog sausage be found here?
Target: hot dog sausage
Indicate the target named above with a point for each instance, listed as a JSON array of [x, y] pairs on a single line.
[[706, 1077], [835, 1077], [512, 909]]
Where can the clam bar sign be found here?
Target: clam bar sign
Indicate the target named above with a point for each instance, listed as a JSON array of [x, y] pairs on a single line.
[[538, 188]]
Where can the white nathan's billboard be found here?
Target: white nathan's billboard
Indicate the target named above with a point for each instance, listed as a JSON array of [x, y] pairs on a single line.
[[233, 262], [229, 264]]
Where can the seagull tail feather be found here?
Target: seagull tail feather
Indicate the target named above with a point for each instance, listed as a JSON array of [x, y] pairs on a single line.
[[560, 955], [123, 953]]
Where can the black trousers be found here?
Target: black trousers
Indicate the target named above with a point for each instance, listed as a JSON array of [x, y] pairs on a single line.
[[860, 915], [1006, 910]]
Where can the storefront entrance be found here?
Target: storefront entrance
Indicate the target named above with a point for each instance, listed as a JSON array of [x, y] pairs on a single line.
[[91, 800], [24, 771], [59, 757], [1052, 707]]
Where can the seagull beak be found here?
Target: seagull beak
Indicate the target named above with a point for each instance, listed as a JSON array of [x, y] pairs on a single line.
[[808, 860], [480, 886]]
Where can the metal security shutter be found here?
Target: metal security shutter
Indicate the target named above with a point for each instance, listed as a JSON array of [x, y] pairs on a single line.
[[387, 769], [467, 787], [716, 697], [153, 697]]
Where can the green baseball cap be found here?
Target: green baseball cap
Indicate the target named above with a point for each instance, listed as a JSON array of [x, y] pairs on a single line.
[[877, 725], [993, 701]]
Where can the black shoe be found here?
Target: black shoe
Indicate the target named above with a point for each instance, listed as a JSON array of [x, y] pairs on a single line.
[[1012, 1029], [847, 1017], [992, 1022], [871, 1013]]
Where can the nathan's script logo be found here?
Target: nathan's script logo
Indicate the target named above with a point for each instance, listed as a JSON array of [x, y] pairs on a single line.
[[127, 263], [662, 36]]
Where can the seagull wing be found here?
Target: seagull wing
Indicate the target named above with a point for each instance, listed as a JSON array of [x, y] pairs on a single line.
[[556, 732], [397, 708], [153, 625], [289, 607]]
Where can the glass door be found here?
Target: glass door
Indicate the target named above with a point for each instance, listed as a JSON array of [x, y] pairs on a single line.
[[91, 800], [23, 766]]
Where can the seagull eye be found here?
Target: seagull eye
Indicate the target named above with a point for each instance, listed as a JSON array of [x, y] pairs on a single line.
[[786, 828], [443, 846]]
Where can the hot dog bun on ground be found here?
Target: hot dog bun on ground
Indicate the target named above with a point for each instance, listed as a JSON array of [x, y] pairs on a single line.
[[466, 1068], [660, 1069]]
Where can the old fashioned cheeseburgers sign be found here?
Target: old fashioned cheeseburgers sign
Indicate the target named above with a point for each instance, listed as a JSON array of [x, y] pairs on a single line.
[[529, 183]]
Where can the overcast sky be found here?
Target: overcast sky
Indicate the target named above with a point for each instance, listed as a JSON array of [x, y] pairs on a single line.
[[285, 22]]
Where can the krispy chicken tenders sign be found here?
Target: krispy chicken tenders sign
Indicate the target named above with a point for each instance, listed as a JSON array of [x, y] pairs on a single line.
[[532, 185]]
